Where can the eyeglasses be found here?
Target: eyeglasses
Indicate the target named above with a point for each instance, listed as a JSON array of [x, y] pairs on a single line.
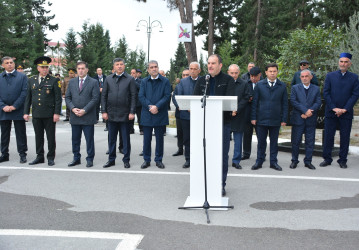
[[303, 64]]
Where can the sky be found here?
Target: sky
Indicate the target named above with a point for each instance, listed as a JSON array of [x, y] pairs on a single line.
[[121, 17]]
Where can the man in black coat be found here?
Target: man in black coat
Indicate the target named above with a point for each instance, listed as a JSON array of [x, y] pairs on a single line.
[[100, 77], [238, 121], [118, 106], [220, 84], [44, 96], [82, 97], [255, 76]]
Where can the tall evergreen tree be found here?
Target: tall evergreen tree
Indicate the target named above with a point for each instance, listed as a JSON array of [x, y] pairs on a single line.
[[71, 49], [121, 48], [96, 47], [223, 20], [24, 30], [180, 61]]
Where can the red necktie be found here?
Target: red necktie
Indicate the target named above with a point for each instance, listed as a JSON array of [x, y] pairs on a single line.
[[81, 83]]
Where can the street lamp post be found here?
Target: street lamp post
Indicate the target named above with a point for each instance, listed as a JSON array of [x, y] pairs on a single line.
[[149, 26]]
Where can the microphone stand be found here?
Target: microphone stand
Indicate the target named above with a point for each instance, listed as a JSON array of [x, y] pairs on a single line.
[[206, 204]]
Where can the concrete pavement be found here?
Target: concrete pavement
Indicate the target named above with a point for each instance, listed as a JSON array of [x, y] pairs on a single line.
[[58, 207]]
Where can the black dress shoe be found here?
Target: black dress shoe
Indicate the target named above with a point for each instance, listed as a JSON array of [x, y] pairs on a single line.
[[244, 157], [236, 165], [107, 152], [23, 159], [121, 151], [343, 165], [106, 129], [223, 191], [127, 165], [324, 163], [50, 162], [4, 158], [89, 164], [109, 164], [141, 154], [37, 161], [187, 164], [145, 164], [293, 165], [66, 120], [74, 163], [179, 152], [141, 132], [275, 166], [310, 166], [159, 164], [256, 166]]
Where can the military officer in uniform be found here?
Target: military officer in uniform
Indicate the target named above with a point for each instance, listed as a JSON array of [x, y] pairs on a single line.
[[72, 74], [44, 95]]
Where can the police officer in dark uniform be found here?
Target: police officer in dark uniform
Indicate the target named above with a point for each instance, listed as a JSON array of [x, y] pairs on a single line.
[[44, 95]]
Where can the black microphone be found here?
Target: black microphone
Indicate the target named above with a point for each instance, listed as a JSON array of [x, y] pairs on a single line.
[[207, 78]]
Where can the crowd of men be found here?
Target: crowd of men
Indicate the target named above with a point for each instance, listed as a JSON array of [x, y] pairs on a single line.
[[262, 106]]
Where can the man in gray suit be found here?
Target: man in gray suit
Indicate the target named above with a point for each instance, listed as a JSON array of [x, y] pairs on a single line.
[[81, 97]]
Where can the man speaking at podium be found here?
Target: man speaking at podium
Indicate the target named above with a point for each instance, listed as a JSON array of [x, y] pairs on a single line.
[[219, 84]]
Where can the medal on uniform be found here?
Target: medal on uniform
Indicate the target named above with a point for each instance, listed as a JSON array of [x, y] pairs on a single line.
[[47, 91]]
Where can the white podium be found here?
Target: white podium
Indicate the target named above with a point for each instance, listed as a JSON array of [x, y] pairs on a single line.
[[214, 125]]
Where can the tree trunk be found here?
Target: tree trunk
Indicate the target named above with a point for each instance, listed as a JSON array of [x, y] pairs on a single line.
[[191, 45], [255, 55], [186, 15], [210, 28]]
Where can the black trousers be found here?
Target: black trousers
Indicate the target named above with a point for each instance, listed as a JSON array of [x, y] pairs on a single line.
[[186, 128], [40, 126], [247, 139], [20, 132], [179, 134], [138, 113]]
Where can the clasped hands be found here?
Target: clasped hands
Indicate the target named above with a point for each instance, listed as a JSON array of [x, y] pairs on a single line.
[[307, 114], [153, 109], [8, 109], [78, 112], [338, 112]]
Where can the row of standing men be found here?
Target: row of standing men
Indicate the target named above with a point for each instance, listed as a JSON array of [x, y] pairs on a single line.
[[266, 98]]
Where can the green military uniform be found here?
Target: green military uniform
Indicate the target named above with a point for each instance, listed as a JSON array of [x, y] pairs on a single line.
[[44, 96]]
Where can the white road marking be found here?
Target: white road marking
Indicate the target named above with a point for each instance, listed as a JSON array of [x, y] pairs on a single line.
[[128, 241], [180, 173]]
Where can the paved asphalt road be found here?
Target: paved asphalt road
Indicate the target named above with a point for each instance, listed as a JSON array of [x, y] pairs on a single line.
[[58, 207]]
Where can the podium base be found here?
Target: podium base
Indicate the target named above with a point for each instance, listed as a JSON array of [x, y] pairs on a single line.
[[195, 203]]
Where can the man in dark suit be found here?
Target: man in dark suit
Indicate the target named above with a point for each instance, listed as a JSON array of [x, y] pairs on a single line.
[[220, 84], [64, 86], [186, 87], [246, 76], [82, 97], [341, 92], [303, 64], [100, 77], [179, 127], [255, 77], [44, 96], [238, 122], [155, 93], [13, 86], [269, 113], [138, 103], [119, 107], [306, 101]]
